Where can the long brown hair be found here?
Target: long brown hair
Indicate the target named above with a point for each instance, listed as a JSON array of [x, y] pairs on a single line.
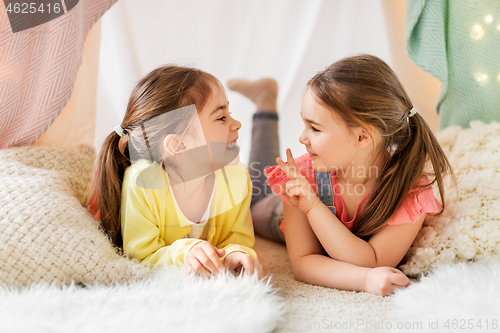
[[364, 91], [164, 89]]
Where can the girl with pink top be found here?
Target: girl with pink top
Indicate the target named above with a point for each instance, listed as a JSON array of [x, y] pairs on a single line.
[[356, 201]]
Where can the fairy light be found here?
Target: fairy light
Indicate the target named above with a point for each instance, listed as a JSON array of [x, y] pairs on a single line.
[[488, 19], [481, 77], [477, 32], [498, 78]]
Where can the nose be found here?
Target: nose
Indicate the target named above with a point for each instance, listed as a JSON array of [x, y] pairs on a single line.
[[235, 125], [303, 138]]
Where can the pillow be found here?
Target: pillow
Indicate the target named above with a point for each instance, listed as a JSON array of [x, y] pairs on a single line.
[[469, 227], [45, 232]]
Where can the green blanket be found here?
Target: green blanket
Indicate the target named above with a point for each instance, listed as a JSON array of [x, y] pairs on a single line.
[[458, 42]]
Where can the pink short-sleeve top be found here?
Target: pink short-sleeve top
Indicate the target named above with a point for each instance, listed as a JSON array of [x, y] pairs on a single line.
[[417, 202]]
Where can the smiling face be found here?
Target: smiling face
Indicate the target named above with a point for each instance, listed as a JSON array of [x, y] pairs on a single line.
[[216, 120], [220, 130], [330, 143]]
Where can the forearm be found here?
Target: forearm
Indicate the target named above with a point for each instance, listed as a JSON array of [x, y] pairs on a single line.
[[337, 240], [324, 271]]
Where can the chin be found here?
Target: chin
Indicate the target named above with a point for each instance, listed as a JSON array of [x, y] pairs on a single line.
[[235, 161], [322, 168]]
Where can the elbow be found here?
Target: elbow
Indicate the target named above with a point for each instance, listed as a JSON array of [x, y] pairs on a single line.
[[298, 270]]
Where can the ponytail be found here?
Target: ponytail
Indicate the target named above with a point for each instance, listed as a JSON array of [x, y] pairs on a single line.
[[111, 165], [400, 175]]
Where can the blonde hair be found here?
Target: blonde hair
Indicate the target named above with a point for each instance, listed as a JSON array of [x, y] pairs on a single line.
[[363, 91], [163, 90]]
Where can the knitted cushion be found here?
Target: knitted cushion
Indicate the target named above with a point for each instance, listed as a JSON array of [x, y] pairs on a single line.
[[45, 232], [469, 227]]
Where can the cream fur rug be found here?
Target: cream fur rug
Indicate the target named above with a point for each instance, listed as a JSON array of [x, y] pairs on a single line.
[[171, 301], [463, 297], [168, 301]]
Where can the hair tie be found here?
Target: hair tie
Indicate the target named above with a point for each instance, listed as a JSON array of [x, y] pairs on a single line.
[[413, 111], [120, 131]]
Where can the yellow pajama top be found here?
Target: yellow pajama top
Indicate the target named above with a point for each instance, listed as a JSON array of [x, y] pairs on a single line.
[[154, 229]]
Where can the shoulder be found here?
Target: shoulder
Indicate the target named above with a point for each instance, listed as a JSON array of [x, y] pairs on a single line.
[[145, 175], [419, 201]]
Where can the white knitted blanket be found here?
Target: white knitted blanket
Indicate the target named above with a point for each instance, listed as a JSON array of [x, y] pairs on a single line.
[[469, 227], [45, 232]]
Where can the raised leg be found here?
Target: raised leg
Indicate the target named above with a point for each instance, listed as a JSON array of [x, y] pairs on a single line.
[[267, 209]]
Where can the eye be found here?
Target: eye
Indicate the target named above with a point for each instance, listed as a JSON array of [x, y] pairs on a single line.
[[315, 129], [223, 118]]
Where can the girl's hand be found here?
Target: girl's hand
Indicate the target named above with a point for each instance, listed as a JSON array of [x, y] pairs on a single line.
[[249, 264], [298, 190], [204, 259], [385, 281]]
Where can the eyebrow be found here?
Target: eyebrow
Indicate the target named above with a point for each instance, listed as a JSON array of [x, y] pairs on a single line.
[[310, 121], [222, 107]]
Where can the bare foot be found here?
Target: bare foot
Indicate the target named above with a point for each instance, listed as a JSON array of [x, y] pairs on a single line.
[[263, 93]]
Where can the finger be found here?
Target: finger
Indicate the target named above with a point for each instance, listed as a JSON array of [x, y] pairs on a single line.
[[211, 261], [289, 168], [292, 167], [296, 184], [399, 279], [283, 166], [220, 252], [227, 264], [233, 263], [393, 289], [247, 264], [200, 269], [215, 254], [260, 270]]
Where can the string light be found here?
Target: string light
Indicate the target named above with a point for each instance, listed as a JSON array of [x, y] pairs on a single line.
[[481, 77], [488, 18], [477, 32]]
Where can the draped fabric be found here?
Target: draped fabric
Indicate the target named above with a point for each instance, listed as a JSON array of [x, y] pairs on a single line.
[[38, 68], [458, 42]]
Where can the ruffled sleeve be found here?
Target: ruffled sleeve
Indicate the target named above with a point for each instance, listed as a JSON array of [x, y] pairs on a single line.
[[417, 203], [277, 178]]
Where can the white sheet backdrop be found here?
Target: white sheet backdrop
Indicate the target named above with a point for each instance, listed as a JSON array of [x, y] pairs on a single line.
[[289, 40]]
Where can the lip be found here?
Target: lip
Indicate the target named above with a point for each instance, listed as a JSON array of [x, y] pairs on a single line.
[[312, 154], [235, 144]]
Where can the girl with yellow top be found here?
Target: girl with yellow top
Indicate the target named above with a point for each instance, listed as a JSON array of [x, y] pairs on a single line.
[[170, 188]]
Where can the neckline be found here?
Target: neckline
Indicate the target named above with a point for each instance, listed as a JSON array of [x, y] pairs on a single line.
[[359, 207], [206, 214]]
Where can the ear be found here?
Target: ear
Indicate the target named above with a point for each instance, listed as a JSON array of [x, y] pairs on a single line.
[[173, 145], [364, 137]]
